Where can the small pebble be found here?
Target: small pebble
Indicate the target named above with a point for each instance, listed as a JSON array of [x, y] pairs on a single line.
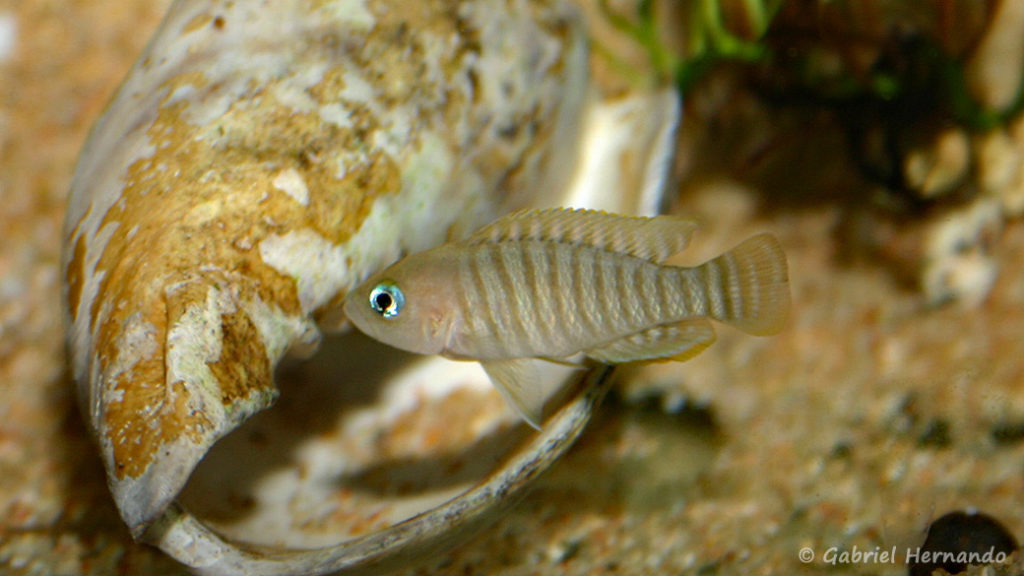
[[8, 36], [1008, 433], [938, 166], [956, 532], [998, 161], [564, 551], [994, 71], [936, 434], [959, 264], [1012, 196]]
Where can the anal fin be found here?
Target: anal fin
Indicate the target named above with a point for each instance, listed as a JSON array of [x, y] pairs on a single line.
[[680, 341], [524, 384]]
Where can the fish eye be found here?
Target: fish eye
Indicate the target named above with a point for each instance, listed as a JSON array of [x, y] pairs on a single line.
[[387, 299]]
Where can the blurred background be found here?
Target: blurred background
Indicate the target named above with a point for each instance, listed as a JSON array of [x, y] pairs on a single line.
[[880, 140]]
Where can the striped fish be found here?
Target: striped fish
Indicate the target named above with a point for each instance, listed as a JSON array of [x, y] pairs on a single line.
[[549, 285]]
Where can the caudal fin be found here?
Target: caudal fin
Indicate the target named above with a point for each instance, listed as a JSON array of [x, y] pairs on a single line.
[[754, 283]]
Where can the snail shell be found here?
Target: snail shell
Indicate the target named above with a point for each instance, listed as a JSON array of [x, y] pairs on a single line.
[[261, 159]]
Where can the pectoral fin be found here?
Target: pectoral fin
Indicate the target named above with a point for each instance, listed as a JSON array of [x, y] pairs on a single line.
[[521, 383], [680, 342]]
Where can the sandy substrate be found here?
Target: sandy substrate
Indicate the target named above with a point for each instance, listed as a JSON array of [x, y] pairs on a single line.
[[870, 416]]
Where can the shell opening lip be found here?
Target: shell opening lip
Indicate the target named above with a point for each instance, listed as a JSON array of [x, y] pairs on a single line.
[[177, 531]]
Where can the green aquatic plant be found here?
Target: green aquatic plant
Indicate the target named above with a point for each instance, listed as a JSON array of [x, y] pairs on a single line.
[[707, 38], [889, 78], [914, 64]]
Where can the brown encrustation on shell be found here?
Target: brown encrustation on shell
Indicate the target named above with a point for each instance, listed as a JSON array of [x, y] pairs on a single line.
[[259, 161]]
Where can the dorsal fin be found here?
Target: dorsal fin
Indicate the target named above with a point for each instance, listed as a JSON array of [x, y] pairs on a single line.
[[652, 239]]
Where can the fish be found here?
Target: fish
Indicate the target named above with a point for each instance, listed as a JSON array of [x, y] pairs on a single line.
[[554, 284]]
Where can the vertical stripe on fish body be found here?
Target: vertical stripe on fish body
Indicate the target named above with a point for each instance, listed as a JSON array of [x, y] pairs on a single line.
[[551, 284], [534, 298]]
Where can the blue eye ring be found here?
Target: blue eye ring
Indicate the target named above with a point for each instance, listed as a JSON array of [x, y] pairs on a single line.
[[387, 299]]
